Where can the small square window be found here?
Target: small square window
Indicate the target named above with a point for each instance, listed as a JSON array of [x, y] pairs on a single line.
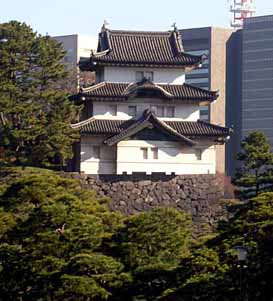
[[139, 76], [96, 152], [169, 111], [149, 75], [160, 111], [132, 110], [198, 153], [113, 110], [155, 153], [144, 153]]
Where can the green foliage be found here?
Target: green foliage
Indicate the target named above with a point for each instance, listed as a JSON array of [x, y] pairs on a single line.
[[212, 272], [156, 238], [35, 112], [61, 242], [151, 245], [52, 240], [256, 174], [252, 227]]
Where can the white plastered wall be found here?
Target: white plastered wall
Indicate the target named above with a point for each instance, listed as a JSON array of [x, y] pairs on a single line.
[[172, 158], [183, 112], [127, 157], [128, 75], [107, 162]]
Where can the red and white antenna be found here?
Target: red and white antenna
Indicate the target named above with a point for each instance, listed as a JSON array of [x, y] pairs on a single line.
[[241, 9]]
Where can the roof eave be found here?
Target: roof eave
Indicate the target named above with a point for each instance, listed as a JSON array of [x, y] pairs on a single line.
[[101, 63]]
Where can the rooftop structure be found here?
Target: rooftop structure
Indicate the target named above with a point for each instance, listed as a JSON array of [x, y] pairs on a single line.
[[241, 9], [77, 46]]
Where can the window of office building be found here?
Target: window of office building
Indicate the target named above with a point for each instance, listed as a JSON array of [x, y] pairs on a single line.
[[204, 113]]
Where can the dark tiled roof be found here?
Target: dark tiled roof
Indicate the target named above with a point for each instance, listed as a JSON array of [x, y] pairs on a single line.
[[140, 48], [198, 128], [147, 120], [188, 129], [102, 126], [122, 91]]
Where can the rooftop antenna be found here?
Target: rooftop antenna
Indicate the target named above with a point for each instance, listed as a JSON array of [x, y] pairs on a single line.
[[241, 10]]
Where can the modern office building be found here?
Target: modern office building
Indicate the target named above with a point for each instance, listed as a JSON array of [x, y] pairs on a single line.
[[212, 42], [257, 59], [78, 46], [234, 99]]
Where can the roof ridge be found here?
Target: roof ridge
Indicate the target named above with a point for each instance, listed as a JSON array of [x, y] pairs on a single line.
[[201, 89], [191, 55], [141, 32], [180, 121], [101, 53], [82, 123], [171, 129], [143, 121], [133, 87], [93, 87]]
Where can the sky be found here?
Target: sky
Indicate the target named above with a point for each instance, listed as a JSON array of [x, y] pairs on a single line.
[[61, 17]]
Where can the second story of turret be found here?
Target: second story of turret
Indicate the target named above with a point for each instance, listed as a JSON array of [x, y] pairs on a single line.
[[142, 70], [124, 101], [131, 56]]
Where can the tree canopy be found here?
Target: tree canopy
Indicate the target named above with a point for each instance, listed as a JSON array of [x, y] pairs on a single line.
[[35, 113], [61, 242], [52, 239], [151, 245], [256, 173], [212, 271]]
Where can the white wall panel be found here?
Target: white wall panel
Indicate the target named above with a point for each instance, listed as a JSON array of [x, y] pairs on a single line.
[[186, 112], [128, 75]]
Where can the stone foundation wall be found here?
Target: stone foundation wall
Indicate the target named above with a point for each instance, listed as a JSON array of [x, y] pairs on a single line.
[[199, 195]]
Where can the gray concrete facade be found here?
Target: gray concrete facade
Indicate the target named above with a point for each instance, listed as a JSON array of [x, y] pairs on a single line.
[[216, 44], [257, 104]]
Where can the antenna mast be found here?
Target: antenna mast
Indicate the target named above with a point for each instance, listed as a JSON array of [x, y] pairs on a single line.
[[241, 9]]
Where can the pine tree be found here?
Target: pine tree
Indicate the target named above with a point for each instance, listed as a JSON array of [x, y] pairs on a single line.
[[52, 240], [212, 271], [151, 245], [256, 173], [35, 113]]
